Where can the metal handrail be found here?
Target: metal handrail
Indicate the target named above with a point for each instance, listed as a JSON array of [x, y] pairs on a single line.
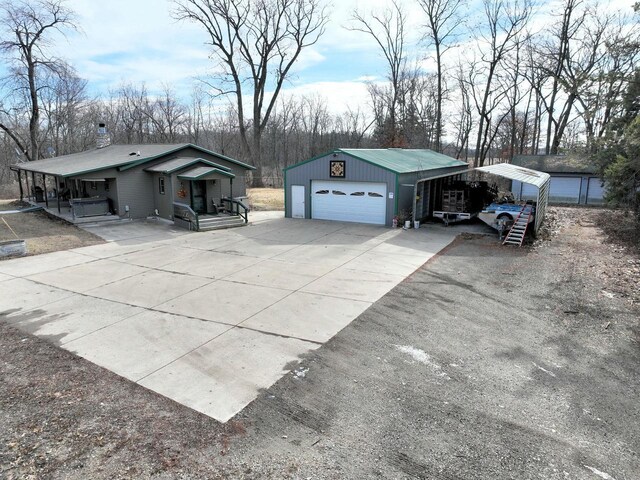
[[191, 216], [238, 205]]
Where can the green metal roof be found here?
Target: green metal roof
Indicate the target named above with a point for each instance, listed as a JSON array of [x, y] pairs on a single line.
[[396, 160], [402, 160], [175, 164], [570, 163], [201, 172]]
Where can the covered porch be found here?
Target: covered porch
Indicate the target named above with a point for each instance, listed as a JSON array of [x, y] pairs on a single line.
[[76, 200]]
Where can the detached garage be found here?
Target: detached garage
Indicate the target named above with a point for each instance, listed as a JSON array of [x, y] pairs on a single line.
[[361, 185], [573, 179]]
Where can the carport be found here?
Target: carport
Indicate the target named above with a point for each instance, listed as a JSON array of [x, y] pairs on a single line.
[[427, 189]]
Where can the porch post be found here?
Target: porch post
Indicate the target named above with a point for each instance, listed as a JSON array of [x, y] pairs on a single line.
[[58, 192], [20, 184], [44, 187], [33, 186], [26, 177]]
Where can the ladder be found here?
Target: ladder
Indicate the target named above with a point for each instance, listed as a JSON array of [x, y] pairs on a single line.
[[519, 227]]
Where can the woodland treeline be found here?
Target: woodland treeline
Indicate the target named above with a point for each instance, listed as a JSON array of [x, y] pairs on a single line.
[[501, 82]]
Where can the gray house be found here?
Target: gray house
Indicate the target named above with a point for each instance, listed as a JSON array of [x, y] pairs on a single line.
[[135, 181], [361, 185], [573, 179]]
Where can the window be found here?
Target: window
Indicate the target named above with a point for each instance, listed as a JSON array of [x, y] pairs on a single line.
[[338, 192], [322, 192], [161, 185], [374, 194], [106, 185], [357, 194], [94, 185]]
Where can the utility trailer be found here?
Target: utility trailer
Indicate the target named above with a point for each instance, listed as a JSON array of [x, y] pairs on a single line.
[[462, 200]]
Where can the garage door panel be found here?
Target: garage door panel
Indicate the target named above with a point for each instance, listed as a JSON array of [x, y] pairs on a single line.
[[595, 194], [349, 201], [564, 189]]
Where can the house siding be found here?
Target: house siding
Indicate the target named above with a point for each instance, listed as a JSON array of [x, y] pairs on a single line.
[[355, 171], [139, 190], [136, 190]]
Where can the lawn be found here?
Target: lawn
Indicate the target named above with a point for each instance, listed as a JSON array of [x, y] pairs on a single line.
[[266, 198], [43, 232]]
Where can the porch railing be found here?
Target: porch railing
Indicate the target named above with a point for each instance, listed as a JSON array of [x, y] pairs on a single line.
[[184, 213], [236, 207]]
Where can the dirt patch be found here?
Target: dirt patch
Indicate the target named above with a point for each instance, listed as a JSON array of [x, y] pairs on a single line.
[[489, 362], [266, 198], [44, 233]]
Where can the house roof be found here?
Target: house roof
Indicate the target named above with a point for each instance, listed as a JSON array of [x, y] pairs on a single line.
[[176, 164], [200, 172], [570, 163], [122, 157], [397, 160]]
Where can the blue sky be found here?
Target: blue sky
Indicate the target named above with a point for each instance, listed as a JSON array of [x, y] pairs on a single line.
[[138, 41]]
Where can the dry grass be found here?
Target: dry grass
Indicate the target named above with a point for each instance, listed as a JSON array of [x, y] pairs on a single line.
[[266, 198], [43, 232]]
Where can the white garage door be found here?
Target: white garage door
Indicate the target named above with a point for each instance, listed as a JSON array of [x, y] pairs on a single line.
[[564, 189], [595, 194], [349, 201]]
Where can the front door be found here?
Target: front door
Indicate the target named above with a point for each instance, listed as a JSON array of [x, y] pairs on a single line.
[[199, 196]]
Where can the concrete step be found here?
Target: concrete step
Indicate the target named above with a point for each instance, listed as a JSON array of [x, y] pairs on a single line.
[[220, 223]]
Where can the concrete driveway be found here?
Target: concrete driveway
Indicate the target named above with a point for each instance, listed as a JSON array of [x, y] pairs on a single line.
[[210, 319]]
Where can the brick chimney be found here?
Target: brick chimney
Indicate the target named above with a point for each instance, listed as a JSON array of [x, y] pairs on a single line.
[[103, 139]]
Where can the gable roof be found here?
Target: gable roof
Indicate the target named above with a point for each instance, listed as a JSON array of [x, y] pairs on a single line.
[[570, 163], [122, 157], [176, 164], [402, 160], [199, 172], [397, 160]]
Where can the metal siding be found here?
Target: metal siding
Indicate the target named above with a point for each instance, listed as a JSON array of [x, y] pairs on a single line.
[[355, 171]]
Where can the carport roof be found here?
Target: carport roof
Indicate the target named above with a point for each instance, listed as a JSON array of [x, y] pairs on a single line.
[[514, 172], [200, 172]]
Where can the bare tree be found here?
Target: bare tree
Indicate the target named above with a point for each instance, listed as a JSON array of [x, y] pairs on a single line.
[[504, 22], [442, 22], [387, 28], [28, 28], [257, 43]]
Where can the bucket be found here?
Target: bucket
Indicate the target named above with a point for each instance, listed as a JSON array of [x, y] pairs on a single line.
[[407, 225], [416, 224], [13, 248]]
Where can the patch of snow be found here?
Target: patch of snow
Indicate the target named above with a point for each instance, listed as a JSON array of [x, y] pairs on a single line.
[[423, 357], [544, 370], [300, 372], [603, 475]]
